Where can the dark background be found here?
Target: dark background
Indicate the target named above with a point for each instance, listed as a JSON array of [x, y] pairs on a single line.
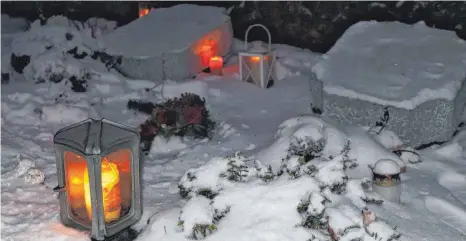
[[312, 25]]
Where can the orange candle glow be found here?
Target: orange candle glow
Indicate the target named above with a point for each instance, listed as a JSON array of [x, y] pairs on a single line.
[[216, 62], [216, 65], [143, 12], [258, 58], [206, 53], [110, 191], [255, 58]]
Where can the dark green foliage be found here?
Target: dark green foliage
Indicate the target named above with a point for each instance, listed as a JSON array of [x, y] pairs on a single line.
[[306, 148], [347, 161], [309, 170], [237, 170], [220, 214], [184, 192], [201, 231], [339, 188], [264, 173], [313, 220], [207, 193], [316, 222]]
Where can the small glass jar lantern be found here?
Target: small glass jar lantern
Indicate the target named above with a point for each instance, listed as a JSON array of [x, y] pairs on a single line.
[[386, 179], [257, 62], [98, 176]]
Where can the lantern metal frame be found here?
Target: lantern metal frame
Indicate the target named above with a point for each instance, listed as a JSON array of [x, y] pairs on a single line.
[[270, 54], [86, 139]]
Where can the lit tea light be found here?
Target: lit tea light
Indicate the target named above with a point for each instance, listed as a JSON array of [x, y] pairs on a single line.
[[216, 65]]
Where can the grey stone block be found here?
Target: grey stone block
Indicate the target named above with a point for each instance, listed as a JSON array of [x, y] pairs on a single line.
[[378, 66], [434, 120], [164, 44]]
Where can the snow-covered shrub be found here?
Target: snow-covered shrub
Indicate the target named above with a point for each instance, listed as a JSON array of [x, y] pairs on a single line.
[[196, 218], [307, 148], [211, 178], [265, 173], [237, 170], [61, 34], [57, 67], [306, 157], [311, 208], [43, 52], [305, 196]]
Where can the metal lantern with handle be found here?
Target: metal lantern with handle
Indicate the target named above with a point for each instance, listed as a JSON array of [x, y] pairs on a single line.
[[98, 176], [257, 62]]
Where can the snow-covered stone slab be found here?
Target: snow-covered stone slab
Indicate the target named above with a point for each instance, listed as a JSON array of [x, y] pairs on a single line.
[[415, 71], [165, 44]]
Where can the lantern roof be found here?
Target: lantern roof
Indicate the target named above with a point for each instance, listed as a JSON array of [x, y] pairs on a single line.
[[386, 167], [257, 47], [92, 136]]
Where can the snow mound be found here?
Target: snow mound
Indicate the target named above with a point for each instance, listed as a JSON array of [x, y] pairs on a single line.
[[299, 129], [362, 146], [62, 34], [61, 114], [450, 150], [388, 63], [387, 138], [367, 151], [195, 213], [239, 198], [56, 67]]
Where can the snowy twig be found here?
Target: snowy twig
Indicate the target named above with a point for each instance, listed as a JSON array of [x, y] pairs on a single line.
[[383, 121]]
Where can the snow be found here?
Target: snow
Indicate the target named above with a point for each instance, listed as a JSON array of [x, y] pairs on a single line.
[[165, 29], [12, 25], [447, 212], [250, 119], [196, 211], [409, 69], [386, 167]]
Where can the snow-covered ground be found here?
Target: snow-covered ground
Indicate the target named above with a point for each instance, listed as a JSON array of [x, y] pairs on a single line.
[[261, 123]]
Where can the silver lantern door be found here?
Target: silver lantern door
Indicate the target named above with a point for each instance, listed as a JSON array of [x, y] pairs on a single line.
[[98, 176]]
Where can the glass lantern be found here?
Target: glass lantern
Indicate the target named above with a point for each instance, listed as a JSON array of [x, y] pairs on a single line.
[[386, 179], [257, 62], [98, 176]]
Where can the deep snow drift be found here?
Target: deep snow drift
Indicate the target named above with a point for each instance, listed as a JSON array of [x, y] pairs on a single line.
[[260, 205]]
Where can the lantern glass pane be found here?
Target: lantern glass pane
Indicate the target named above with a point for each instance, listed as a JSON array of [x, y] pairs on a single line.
[[116, 185], [251, 69], [77, 182]]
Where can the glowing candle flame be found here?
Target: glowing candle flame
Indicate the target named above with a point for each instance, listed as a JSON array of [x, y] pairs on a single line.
[[110, 191]]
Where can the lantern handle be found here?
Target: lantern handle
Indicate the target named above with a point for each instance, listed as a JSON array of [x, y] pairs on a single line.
[[247, 33]]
